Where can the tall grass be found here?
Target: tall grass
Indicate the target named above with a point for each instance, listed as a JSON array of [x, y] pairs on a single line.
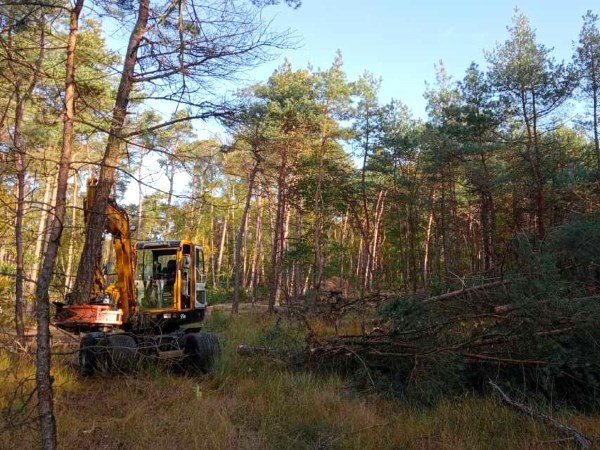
[[261, 403]]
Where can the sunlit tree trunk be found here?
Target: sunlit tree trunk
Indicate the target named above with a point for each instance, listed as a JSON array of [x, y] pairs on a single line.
[[222, 244], [23, 90], [41, 232], [240, 239], [71, 253], [43, 353], [106, 179], [257, 250], [428, 236], [140, 212]]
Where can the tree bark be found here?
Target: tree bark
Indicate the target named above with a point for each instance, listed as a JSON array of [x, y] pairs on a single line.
[[106, 179], [138, 231], [41, 233], [223, 240], [43, 352], [428, 235], [256, 252], [240, 239], [22, 95], [71, 253]]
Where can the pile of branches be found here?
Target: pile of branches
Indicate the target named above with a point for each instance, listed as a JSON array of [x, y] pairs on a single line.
[[446, 344], [536, 330]]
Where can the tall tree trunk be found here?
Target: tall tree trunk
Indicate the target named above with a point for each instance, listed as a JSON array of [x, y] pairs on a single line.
[[488, 217], [343, 251], [319, 213], [71, 253], [20, 169], [595, 95], [106, 179], [278, 232], [213, 259], [533, 158], [140, 212], [41, 232], [428, 235], [376, 236], [444, 230], [22, 96], [223, 241], [256, 252], [43, 353], [240, 239], [277, 249]]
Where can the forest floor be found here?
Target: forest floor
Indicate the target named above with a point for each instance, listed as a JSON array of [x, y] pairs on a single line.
[[257, 402]]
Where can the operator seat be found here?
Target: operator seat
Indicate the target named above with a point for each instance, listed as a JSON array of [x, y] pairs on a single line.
[[170, 270]]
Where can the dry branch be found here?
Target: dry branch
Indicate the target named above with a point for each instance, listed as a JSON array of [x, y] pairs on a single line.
[[459, 292], [520, 362], [580, 439]]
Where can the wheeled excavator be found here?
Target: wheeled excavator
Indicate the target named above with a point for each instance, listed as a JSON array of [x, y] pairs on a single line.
[[153, 308]]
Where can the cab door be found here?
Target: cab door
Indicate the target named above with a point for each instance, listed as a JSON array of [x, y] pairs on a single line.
[[199, 278]]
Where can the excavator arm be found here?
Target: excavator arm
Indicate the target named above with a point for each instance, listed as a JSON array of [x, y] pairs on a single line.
[[111, 305]]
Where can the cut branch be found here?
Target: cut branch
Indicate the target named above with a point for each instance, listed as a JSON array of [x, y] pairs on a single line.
[[580, 439]]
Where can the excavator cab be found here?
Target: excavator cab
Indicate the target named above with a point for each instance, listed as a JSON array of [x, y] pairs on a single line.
[[170, 282]]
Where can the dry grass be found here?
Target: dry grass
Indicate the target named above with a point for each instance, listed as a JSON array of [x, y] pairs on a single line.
[[261, 404]]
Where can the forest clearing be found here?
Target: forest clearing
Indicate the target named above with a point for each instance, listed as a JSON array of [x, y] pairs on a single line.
[[327, 270]]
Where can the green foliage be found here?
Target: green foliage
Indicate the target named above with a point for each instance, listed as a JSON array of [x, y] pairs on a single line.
[[538, 334]]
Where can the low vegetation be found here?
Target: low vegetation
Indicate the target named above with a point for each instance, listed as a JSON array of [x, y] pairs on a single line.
[[259, 402]]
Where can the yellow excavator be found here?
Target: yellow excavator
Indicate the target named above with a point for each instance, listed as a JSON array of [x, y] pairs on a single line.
[[154, 308]]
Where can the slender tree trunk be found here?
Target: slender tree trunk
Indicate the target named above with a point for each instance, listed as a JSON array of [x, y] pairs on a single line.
[[140, 212], [240, 238], [319, 213], [428, 235], [278, 234], [213, 261], [106, 180], [71, 255], [22, 96], [343, 251], [245, 256], [487, 217], [41, 232], [595, 94], [376, 235], [256, 252], [533, 158], [43, 353], [223, 241], [20, 169]]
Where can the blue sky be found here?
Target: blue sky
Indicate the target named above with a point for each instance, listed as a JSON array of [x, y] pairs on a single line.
[[401, 41]]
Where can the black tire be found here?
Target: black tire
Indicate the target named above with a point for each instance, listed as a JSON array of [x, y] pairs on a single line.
[[200, 352], [88, 355], [121, 352]]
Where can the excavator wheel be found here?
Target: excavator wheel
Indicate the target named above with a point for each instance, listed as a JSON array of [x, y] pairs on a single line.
[[121, 352], [101, 352], [89, 353], [200, 352]]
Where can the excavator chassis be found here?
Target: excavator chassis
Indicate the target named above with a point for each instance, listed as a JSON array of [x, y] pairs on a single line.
[[121, 352]]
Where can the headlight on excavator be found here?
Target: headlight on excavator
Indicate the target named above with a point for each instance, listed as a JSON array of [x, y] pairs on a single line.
[[104, 299]]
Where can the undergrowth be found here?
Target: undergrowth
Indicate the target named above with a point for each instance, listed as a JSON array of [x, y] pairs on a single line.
[[257, 403]]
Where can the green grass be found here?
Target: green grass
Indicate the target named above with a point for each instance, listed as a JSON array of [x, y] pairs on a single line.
[[261, 403]]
